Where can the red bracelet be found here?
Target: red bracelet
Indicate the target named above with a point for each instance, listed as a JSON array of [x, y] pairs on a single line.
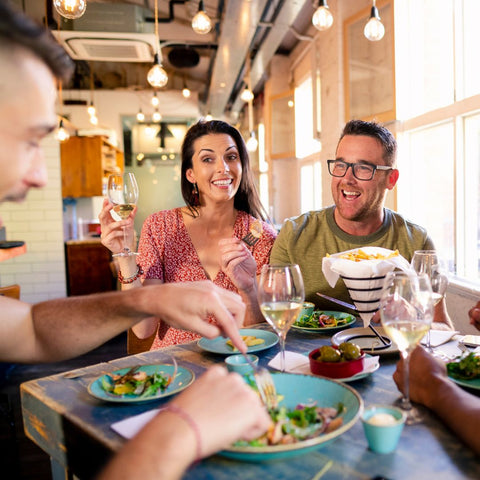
[[191, 422], [126, 281]]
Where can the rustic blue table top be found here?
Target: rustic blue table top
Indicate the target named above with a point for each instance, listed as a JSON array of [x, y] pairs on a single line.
[[74, 428]]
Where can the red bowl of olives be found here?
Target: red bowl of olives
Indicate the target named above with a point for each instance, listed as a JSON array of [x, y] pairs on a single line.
[[343, 361]]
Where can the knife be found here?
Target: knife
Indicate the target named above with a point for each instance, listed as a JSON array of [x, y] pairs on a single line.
[[339, 302]]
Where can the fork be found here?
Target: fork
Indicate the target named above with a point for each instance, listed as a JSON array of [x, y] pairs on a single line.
[[265, 385], [253, 236]]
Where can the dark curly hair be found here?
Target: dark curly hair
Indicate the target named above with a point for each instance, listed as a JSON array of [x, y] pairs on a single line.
[[246, 198]]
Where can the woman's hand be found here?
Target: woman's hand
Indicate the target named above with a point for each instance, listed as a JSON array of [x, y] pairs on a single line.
[[474, 314], [238, 263], [112, 230]]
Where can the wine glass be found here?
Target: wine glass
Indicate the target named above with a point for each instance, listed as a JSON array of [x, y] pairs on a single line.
[[406, 310], [427, 261], [280, 295], [123, 193]]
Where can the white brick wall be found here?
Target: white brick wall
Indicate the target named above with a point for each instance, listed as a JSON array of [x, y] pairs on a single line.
[[39, 222]]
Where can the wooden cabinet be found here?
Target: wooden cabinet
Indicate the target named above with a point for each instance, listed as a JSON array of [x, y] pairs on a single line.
[[88, 267], [86, 163]]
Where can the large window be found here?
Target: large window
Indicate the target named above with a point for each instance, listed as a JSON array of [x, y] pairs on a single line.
[[438, 87]]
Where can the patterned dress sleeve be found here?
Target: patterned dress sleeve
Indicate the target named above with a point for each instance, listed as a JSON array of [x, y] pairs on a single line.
[[151, 247], [261, 250]]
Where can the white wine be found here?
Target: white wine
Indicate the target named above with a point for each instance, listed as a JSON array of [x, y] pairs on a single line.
[[437, 298], [281, 315], [124, 209], [406, 334]]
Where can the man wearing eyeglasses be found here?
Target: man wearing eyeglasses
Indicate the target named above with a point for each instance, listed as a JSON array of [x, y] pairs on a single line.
[[362, 173]]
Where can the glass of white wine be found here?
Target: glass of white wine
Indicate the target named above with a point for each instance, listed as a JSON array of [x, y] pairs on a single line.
[[428, 262], [123, 193], [280, 295], [406, 309]]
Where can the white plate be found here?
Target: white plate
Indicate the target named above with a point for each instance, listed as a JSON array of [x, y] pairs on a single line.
[[364, 338]]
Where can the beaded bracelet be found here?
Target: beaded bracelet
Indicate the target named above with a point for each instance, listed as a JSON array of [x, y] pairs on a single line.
[[191, 422], [131, 279]]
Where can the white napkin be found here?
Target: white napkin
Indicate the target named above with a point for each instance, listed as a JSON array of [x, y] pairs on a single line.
[[298, 363], [129, 427], [439, 337]]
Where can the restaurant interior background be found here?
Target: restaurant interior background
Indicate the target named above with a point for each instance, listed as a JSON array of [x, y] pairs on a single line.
[[422, 79]]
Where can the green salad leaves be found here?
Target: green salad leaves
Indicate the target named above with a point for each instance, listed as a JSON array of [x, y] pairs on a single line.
[[465, 368]]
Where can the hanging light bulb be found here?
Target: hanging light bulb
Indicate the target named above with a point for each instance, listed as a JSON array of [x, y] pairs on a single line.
[[201, 22], [156, 116], [92, 111], [157, 77], [155, 100], [70, 8], [247, 95], [322, 18], [252, 142], [208, 117], [374, 29], [186, 91], [94, 120], [140, 116], [62, 133]]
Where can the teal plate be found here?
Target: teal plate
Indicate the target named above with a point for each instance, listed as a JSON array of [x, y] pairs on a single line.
[[305, 389], [338, 315], [219, 344], [474, 384], [182, 380]]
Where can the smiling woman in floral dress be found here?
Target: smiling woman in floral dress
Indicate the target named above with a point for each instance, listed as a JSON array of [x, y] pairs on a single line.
[[203, 239]]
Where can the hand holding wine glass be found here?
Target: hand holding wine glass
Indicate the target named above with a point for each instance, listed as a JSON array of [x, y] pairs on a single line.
[[406, 309], [123, 193], [281, 294]]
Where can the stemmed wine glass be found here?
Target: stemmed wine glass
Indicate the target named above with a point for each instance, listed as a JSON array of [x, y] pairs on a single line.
[[123, 193], [280, 295], [406, 309], [427, 261]]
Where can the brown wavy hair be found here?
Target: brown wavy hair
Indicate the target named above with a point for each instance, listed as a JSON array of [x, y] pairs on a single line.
[[246, 198]]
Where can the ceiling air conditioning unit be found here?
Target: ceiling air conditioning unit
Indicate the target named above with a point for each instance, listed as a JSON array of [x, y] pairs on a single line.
[[108, 47], [109, 33]]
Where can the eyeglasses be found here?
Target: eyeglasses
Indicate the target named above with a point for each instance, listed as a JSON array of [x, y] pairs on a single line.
[[361, 171]]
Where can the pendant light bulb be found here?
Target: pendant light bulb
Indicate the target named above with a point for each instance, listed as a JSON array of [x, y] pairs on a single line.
[[155, 100], [157, 77], [201, 22], [322, 18], [62, 133], [140, 116], [94, 120], [252, 142], [186, 92], [92, 111], [247, 95], [156, 116], [374, 29], [71, 9], [208, 117]]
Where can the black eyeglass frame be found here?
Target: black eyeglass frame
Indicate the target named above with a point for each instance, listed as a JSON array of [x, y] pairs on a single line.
[[353, 165]]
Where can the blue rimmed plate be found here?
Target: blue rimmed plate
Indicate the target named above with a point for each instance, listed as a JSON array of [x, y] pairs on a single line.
[[182, 380], [350, 320], [219, 344], [306, 389], [474, 384]]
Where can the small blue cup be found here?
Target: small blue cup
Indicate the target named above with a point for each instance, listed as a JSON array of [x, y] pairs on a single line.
[[237, 363], [383, 425]]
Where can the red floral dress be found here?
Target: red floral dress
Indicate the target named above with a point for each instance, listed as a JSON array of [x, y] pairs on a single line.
[[166, 252]]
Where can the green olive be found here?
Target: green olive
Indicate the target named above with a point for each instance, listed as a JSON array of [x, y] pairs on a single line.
[[351, 351], [329, 354]]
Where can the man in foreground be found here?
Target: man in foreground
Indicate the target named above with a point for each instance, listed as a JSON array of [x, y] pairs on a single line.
[[362, 173], [218, 408]]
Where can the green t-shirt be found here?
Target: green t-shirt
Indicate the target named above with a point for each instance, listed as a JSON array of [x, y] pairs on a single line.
[[306, 239]]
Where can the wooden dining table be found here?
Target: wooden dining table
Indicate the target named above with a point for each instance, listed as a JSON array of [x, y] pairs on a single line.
[[74, 428]]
